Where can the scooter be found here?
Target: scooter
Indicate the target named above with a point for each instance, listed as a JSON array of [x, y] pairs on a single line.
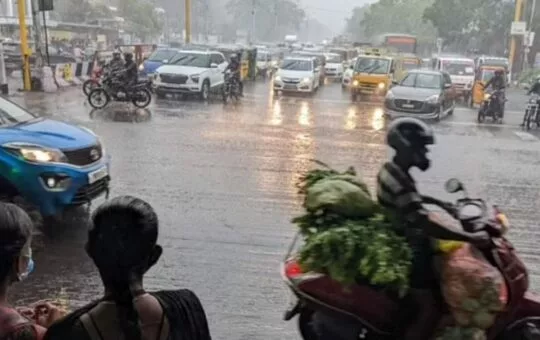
[[327, 310], [491, 107]]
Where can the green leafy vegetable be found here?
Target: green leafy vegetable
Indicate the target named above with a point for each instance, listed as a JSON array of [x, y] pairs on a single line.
[[345, 234]]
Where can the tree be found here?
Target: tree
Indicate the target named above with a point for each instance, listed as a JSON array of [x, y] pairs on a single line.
[[467, 24], [354, 25], [80, 11], [398, 16], [273, 18], [141, 18]]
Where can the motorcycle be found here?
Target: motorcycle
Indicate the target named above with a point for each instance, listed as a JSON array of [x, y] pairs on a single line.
[[327, 310], [94, 81], [231, 88], [532, 116], [112, 89], [491, 107]]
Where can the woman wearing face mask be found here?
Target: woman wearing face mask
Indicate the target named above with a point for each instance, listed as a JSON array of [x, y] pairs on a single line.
[[122, 244], [15, 265]]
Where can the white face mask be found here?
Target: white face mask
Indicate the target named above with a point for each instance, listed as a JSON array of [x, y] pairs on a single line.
[[26, 253]]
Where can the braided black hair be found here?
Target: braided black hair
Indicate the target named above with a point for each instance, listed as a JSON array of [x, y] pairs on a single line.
[[122, 239]]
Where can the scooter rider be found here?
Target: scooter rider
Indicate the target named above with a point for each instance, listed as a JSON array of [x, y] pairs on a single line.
[[498, 83], [397, 192], [235, 67]]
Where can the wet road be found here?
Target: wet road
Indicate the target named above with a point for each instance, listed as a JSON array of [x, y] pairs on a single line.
[[222, 179]]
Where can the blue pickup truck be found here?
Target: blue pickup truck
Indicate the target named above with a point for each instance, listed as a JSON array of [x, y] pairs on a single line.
[[49, 164], [156, 59]]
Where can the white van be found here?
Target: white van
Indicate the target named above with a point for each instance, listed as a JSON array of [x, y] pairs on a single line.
[[461, 71]]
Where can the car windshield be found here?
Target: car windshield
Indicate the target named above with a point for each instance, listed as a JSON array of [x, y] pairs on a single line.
[[372, 65], [161, 55], [334, 59], [459, 68], [12, 114], [296, 65], [191, 59], [422, 80]]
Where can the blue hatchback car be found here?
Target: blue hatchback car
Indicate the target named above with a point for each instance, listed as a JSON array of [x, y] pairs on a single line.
[[156, 59], [50, 164]]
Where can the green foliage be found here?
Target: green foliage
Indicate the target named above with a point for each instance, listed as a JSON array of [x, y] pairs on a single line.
[[141, 19], [392, 16], [459, 21], [352, 249]]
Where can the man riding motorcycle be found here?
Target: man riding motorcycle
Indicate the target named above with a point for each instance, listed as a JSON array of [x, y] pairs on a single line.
[[116, 63], [235, 67], [131, 72], [397, 192], [498, 82], [535, 88]]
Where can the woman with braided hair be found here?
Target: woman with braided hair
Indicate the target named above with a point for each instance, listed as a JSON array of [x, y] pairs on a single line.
[[122, 242]]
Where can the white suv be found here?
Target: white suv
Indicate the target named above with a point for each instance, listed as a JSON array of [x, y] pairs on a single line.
[[297, 74], [195, 72]]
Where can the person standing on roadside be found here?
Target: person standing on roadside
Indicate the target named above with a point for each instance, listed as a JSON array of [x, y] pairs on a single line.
[[15, 265], [122, 242]]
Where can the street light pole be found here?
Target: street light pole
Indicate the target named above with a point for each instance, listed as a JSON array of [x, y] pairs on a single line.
[[525, 64], [24, 44]]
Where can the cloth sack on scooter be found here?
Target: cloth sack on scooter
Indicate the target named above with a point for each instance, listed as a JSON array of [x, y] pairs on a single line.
[[474, 289]]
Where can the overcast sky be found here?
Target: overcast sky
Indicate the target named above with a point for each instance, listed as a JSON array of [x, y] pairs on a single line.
[[332, 13]]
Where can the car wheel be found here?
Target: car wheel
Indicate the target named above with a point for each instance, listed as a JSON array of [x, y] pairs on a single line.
[[205, 90]]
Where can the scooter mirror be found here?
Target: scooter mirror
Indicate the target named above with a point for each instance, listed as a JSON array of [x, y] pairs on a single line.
[[453, 185]]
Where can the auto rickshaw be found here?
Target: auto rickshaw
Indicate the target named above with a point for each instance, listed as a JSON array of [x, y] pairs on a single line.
[[482, 75]]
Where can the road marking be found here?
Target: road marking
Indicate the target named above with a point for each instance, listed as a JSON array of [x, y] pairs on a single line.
[[525, 136]]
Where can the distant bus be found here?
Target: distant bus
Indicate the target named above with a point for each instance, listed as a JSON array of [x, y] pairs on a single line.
[[404, 43]]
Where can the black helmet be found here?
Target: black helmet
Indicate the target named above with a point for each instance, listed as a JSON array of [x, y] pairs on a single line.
[[128, 56], [499, 72], [116, 54], [409, 137], [234, 57]]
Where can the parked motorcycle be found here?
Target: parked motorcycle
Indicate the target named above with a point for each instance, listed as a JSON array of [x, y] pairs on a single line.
[[231, 88], [491, 107], [327, 310], [113, 89]]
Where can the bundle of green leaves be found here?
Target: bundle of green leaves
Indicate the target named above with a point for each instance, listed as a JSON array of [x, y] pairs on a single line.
[[345, 234]]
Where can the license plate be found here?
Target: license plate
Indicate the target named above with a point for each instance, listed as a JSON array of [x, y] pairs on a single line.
[[290, 87], [97, 175], [408, 106]]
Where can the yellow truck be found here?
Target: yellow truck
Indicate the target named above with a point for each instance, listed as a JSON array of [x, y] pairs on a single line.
[[374, 72]]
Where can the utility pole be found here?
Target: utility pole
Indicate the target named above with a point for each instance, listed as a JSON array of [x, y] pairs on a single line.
[[25, 52], [252, 33], [206, 19], [525, 64], [38, 40], [276, 18], [187, 4], [513, 41]]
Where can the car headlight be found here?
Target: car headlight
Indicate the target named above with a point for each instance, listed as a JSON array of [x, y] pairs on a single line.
[[141, 67], [389, 95], [36, 153], [381, 86], [195, 77], [355, 83], [277, 78], [487, 96], [433, 99], [306, 80]]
